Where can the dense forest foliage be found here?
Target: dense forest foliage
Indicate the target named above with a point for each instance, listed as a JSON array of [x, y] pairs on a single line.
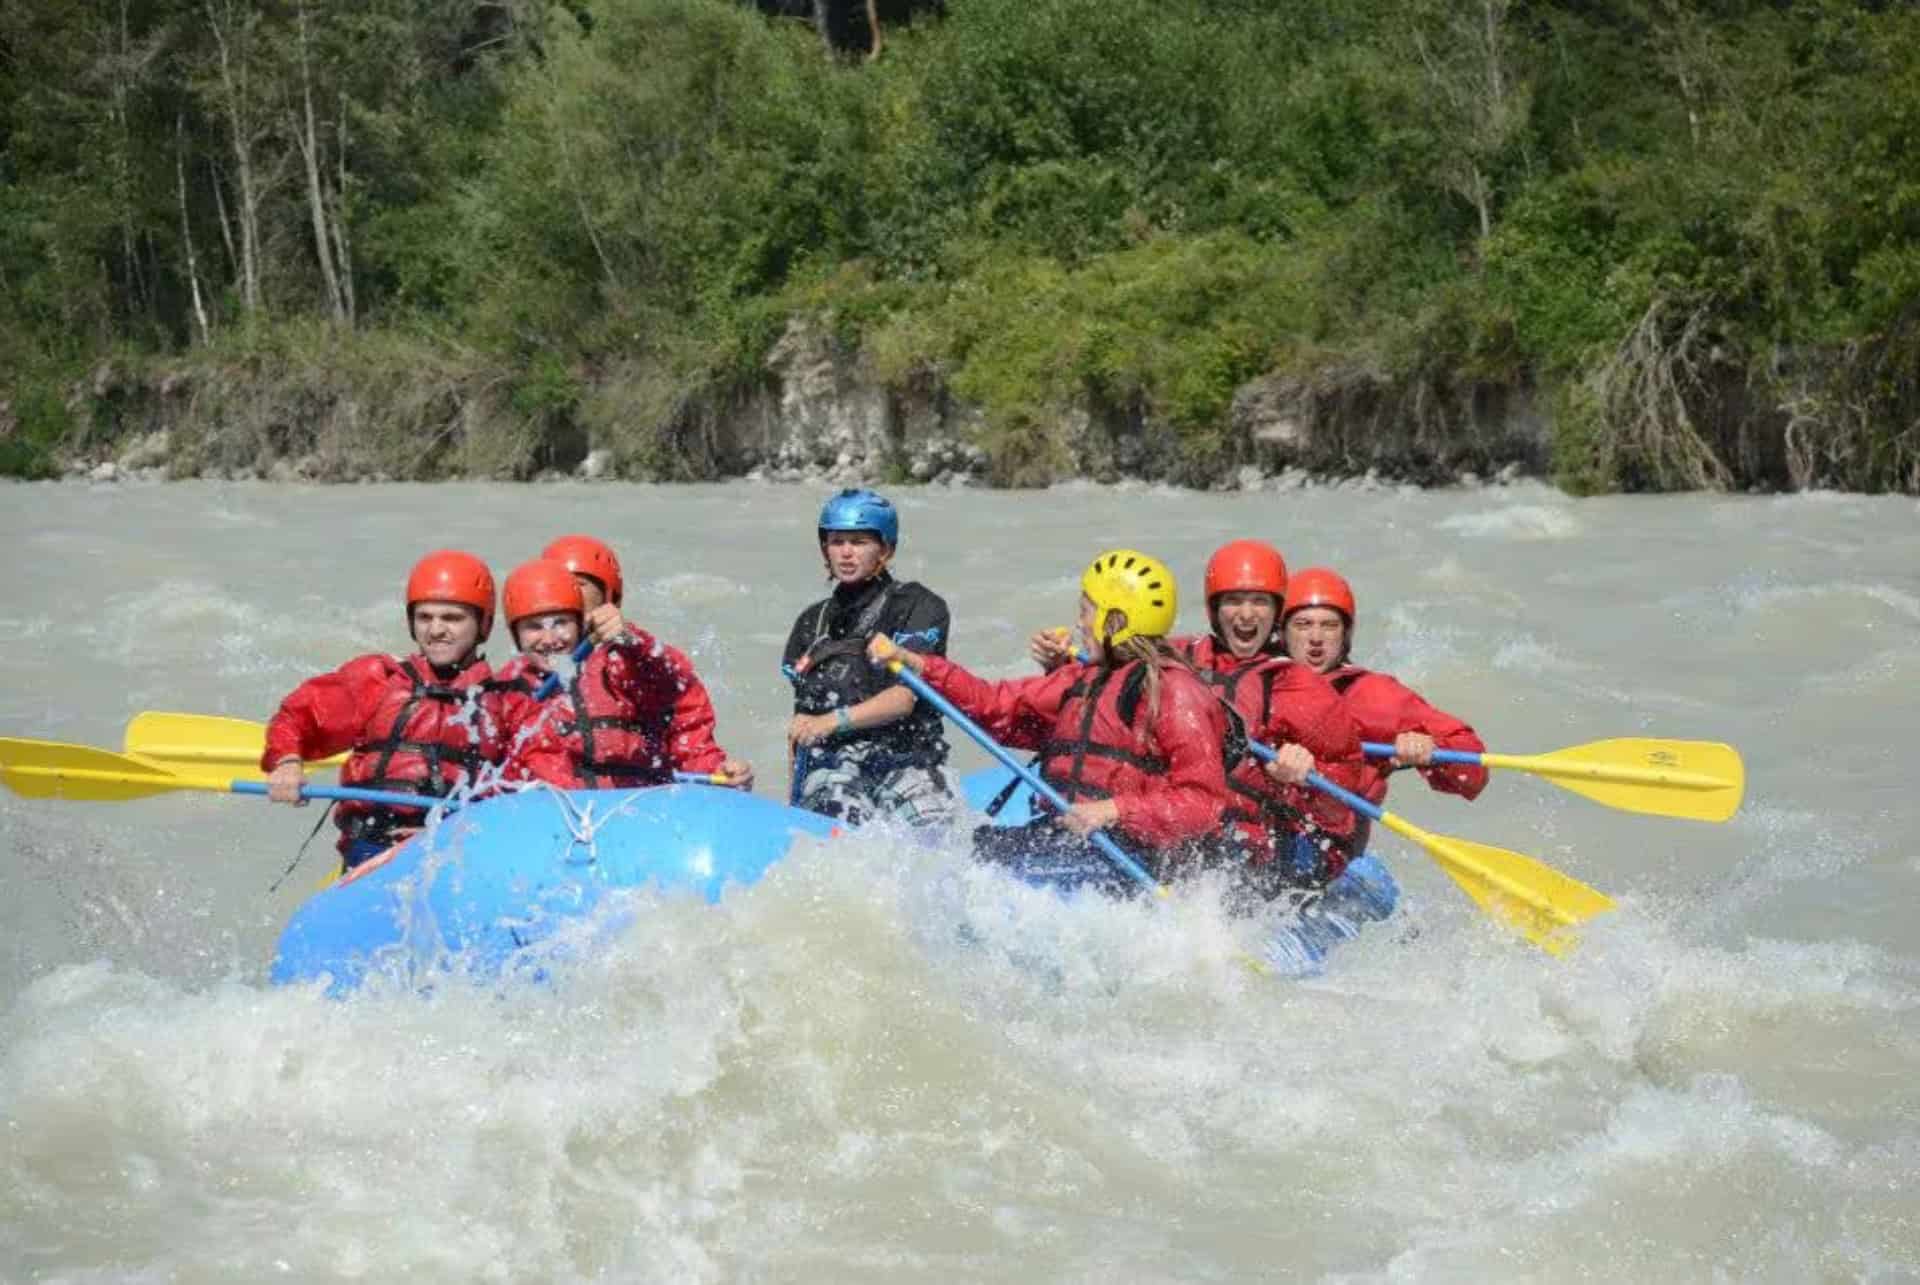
[[497, 229]]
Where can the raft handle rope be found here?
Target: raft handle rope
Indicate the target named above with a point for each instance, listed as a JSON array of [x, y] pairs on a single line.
[[300, 854], [581, 821]]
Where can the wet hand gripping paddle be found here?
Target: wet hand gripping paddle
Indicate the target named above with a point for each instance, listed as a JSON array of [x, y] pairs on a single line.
[[1694, 780]]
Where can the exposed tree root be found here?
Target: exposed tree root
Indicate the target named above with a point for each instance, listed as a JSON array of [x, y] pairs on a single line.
[[1855, 423], [1647, 398]]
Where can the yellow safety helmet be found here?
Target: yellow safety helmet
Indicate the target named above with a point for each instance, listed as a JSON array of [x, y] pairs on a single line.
[[1136, 583]]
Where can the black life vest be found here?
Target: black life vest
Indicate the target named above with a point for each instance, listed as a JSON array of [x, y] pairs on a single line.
[[833, 673]]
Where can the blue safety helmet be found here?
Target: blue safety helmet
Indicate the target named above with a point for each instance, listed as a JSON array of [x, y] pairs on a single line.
[[858, 509]]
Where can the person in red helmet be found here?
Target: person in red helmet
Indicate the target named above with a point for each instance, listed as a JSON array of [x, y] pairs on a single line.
[[1293, 832], [631, 715], [411, 723], [593, 566], [1294, 836], [1317, 622], [597, 571]]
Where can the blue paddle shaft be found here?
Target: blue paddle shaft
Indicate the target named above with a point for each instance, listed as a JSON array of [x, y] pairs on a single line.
[[802, 759], [802, 764], [552, 680], [347, 794], [1100, 840], [1381, 750], [1266, 755]]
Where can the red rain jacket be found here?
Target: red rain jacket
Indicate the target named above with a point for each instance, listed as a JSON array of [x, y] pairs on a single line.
[[634, 713], [1384, 707], [1279, 702], [1163, 769], [408, 730]]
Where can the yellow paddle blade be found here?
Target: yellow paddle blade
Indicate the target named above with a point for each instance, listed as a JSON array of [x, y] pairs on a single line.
[[1544, 905], [53, 770], [1697, 780], [199, 742]]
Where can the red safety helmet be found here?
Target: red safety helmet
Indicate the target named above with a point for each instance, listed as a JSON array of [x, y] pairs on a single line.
[[586, 556], [539, 586], [448, 575], [1319, 587], [1246, 566]]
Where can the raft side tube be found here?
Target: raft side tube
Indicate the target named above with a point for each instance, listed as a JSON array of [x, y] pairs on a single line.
[[507, 872]]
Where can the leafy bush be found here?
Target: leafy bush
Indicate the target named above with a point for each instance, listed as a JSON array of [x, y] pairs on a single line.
[[594, 221]]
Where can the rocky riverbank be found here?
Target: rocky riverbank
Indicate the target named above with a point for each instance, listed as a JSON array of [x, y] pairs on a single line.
[[815, 413]]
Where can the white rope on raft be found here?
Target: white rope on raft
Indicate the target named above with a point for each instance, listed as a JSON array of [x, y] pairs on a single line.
[[580, 817]]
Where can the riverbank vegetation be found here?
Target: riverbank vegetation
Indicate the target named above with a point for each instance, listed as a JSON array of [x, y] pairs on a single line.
[[416, 238]]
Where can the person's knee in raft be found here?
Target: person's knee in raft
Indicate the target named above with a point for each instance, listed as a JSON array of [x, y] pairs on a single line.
[[1131, 737], [869, 745], [632, 714], [411, 723]]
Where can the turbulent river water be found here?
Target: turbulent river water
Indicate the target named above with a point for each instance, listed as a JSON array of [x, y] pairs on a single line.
[[818, 1079]]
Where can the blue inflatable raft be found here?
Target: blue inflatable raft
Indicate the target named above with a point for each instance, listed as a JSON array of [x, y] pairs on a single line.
[[483, 890], [504, 874]]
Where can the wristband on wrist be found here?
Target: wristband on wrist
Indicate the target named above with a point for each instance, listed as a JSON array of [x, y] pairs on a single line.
[[843, 721]]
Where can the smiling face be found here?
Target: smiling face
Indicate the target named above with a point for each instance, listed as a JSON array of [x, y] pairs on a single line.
[[548, 633], [1317, 637], [446, 632], [854, 556], [1245, 619]]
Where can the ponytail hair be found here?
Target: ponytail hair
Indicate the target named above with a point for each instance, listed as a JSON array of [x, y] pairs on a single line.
[[1154, 654]]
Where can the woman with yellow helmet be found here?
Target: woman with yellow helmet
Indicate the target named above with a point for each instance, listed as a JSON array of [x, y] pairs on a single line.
[[1131, 737], [1294, 836]]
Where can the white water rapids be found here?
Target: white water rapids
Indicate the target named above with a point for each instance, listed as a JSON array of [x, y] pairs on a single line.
[[817, 1080]]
